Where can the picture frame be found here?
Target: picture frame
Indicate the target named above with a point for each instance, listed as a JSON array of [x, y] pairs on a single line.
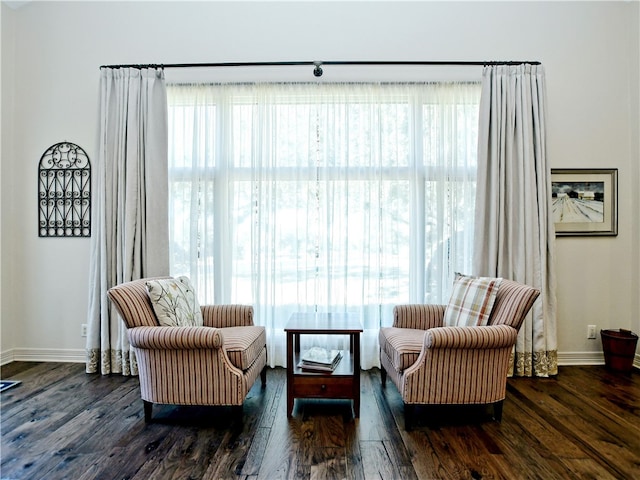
[[585, 201]]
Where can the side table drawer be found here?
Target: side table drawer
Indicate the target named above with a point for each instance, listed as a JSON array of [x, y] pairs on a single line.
[[323, 387]]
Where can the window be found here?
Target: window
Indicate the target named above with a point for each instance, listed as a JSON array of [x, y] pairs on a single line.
[[322, 197]]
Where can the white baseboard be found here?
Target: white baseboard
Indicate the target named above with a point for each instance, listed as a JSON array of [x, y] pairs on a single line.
[[43, 355], [587, 358], [6, 357], [580, 358], [79, 356]]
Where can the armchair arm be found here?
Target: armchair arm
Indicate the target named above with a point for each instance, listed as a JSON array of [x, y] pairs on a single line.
[[486, 337], [420, 316], [175, 338], [221, 316]]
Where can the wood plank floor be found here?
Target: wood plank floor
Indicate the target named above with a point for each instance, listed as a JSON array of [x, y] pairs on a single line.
[[61, 423]]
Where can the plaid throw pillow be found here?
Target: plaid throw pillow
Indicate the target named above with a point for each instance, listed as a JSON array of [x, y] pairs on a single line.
[[471, 301], [174, 302]]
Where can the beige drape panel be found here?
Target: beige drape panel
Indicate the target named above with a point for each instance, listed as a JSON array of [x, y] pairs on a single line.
[[514, 231], [130, 238]]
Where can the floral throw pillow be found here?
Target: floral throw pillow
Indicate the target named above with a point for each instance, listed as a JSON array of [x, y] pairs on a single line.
[[174, 302], [471, 301]]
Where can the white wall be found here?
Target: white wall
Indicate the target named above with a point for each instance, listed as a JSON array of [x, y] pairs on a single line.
[[6, 147], [50, 88]]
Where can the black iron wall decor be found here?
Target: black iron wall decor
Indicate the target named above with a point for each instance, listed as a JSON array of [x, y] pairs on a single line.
[[64, 192]]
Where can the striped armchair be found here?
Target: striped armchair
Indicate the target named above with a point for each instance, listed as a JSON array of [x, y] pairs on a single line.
[[216, 364], [432, 364]]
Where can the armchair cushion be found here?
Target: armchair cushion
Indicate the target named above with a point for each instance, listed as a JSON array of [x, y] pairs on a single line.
[[243, 344], [471, 301], [174, 302], [401, 345]]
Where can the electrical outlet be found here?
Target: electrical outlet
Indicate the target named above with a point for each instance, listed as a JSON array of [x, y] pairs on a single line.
[[83, 330], [591, 332]]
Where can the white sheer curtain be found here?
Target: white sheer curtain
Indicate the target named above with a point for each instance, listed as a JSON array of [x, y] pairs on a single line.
[[515, 235], [322, 197], [130, 222]]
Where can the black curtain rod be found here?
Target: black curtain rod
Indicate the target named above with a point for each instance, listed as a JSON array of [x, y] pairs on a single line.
[[318, 64]]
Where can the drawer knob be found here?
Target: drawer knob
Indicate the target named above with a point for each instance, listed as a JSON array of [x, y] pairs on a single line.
[[323, 387]]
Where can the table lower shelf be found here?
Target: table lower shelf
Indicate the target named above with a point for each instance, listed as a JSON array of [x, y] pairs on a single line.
[[344, 367], [342, 383]]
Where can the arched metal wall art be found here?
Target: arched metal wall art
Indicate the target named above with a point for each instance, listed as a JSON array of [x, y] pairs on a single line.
[[64, 192]]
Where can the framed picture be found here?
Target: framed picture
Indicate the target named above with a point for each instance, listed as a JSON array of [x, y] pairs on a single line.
[[585, 201]]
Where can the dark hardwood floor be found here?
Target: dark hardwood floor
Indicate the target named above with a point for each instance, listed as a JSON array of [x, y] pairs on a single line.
[[61, 423]]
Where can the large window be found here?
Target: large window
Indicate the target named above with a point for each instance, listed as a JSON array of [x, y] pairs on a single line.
[[322, 197]]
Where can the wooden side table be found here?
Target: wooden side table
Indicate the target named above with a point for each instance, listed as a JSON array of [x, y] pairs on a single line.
[[344, 381]]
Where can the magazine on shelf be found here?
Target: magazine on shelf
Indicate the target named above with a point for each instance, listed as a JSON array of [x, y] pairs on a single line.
[[317, 368], [320, 359]]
